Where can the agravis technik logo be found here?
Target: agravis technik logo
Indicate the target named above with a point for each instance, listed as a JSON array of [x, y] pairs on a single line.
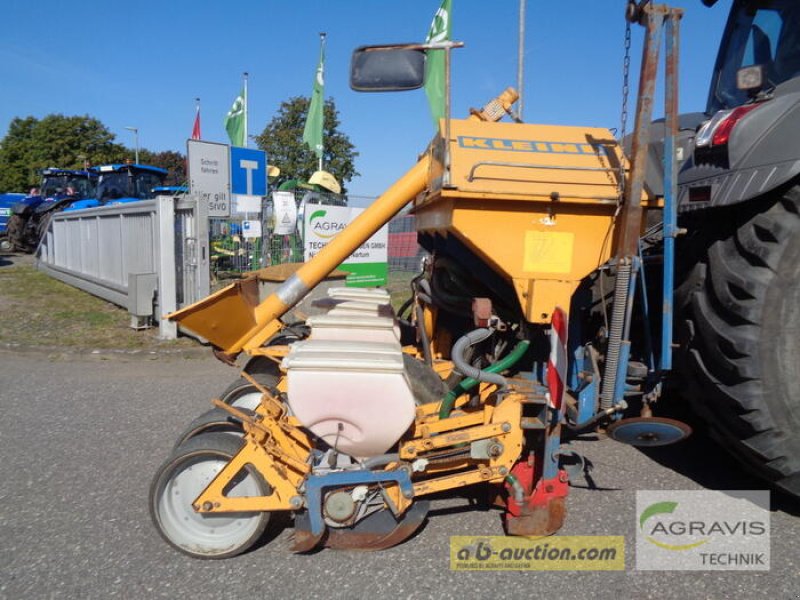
[[658, 527], [702, 530]]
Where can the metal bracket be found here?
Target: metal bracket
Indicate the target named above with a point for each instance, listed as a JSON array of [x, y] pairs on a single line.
[[316, 483]]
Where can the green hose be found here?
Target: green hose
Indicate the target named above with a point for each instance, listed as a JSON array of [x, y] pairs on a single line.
[[467, 384], [516, 486]]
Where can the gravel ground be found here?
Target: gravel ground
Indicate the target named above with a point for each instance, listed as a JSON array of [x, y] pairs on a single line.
[[81, 438]]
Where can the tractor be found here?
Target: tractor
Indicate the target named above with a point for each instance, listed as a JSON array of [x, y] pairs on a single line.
[[738, 273], [123, 183], [7, 201], [59, 188], [64, 190], [524, 326]]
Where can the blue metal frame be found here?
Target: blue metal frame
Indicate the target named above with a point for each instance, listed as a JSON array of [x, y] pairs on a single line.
[[656, 17], [670, 187], [316, 483]]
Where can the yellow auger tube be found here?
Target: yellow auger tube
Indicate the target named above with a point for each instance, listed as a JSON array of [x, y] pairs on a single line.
[[264, 321]]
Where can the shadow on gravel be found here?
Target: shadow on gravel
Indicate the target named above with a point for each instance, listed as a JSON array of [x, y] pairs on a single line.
[[279, 521], [704, 461], [4, 261]]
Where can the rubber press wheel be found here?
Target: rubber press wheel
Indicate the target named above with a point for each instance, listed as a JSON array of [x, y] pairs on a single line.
[[738, 310], [184, 475], [243, 394], [215, 420]]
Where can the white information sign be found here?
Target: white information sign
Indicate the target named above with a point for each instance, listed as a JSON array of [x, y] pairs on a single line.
[[209, 175], [285, 213], [243, 203], [251, 229], [367, 266]]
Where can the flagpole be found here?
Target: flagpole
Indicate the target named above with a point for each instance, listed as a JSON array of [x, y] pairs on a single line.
[[245, 108], [196, 135], [322, 36], [521, 58]]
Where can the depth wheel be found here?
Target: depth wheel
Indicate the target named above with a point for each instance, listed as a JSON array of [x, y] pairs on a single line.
[[215, 420], [243, 394], [181, 479]]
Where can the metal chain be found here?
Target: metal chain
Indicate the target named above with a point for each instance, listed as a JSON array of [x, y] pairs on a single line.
[[626, 67]]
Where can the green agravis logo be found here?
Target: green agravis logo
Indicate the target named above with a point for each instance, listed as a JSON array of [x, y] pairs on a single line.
[[322, 228], [661, 508]]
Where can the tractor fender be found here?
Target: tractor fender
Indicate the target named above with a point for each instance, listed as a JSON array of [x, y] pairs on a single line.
[[26, 206], [763, 154], [654, 168]]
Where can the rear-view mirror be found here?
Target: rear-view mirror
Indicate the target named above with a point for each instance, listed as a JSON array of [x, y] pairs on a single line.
[[387, 68]]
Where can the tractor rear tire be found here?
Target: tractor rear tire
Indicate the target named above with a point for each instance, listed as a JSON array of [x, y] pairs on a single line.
[[16, 233], [738, 322]]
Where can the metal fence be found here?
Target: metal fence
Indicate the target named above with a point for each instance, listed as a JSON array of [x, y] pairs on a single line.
[[155, 256], [405, 254], [233, 254], [150, 256]]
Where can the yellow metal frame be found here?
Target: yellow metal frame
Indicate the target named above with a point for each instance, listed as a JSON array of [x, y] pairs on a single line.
[[278, 449]]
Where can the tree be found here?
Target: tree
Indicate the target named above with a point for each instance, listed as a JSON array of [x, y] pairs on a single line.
[[54, 141], [69, 143], [173, 162], [282, 139]]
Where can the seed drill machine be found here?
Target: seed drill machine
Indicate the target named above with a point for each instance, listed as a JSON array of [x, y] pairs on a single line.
[[519, 327]]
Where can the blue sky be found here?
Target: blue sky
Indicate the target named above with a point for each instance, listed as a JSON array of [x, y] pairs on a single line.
[[143, 63]]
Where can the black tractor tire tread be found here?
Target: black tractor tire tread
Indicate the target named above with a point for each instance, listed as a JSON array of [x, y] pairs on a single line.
[[725, 331], [15, 230]]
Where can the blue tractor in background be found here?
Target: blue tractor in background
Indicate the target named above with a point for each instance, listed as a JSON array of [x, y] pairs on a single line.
[[7, 201], [76, 190], [123, 183], [59, 188]]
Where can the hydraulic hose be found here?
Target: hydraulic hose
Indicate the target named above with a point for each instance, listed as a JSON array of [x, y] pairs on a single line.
[[467, 384], [423, 336], [474, 337], [519, 491]]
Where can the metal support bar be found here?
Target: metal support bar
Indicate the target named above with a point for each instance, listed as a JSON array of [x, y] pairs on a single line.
[[447, 179], [494, 163], [631, 217], [167, 289], [670, 185]]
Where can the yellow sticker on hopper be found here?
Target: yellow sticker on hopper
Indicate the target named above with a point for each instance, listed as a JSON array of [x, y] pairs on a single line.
[[548, 251]]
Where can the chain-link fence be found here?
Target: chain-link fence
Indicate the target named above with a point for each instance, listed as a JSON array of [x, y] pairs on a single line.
[[233, 253], [405, 254]]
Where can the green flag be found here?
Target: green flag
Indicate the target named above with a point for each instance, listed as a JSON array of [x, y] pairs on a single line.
[[312, 133], [434, 65], [234, 121]]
